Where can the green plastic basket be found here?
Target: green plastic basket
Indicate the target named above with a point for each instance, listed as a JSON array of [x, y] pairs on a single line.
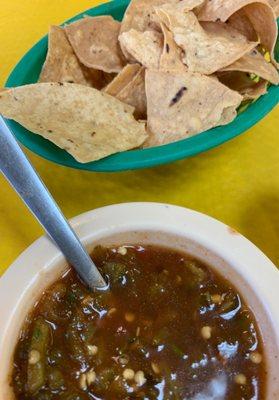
[[28, 70]]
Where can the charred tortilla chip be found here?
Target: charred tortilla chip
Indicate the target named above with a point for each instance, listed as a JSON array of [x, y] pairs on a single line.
[[87, 123], [171, 58], [180, 105], [259, 12], [95, 42], [255, 63], [144, 47], [207, 48], [243, 84], [122, 79], [62, 65]]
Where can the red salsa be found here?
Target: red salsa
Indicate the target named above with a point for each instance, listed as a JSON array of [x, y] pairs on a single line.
[[168, 328]]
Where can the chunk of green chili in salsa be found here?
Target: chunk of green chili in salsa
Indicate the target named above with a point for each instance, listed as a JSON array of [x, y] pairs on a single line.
[[168, 328]]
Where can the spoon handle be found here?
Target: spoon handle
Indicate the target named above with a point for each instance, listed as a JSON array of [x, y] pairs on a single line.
[[21, 175]]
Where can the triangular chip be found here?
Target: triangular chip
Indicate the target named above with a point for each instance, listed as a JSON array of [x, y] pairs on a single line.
[[255, 63], [275, 5], [182, 6], [259, 12], [242, 24], [263, 20], [242, 82], [256, 91], [95, 42], [180, 105], [144, 47], [129, 87], [62, 65], [171, 58], [134, 94], [139, 15], [122, 79], [207, 48], [87, 123]]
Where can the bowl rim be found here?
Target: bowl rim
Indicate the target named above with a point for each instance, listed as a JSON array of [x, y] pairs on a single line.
[[218, 237], [198, 226], [140, 158]]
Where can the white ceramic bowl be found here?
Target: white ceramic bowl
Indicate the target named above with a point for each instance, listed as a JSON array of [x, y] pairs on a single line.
[[231, 254]]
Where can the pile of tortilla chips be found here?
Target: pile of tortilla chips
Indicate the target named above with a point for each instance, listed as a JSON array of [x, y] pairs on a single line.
[[170, 70]]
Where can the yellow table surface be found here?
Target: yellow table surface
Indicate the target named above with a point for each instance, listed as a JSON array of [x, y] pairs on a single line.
[[237, 183]]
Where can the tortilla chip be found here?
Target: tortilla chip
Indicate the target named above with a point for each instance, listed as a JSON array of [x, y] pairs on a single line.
[[139, 15], [171, 58], [129, 87], [242, 24], [180, 105], [260, 15], [87, 123], [253, 93], [185, 6], [145, 47], [207, 48], [275, 5], [243, 84], [95, 42], [122, 79], [62, 65], [134, 95], [259, 12], [255, 63]]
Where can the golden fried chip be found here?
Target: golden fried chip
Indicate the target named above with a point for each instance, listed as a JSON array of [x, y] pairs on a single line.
[[62, 65], [275, 5], [171, 58], [87, 123], [129, 87], [255, 63], [122, 79], [134, 94], [95, 42], [259, 12], [180, 105], [140, 15], [144, 47], [207, 48], [242, 24], [256, 91], [240, 81]]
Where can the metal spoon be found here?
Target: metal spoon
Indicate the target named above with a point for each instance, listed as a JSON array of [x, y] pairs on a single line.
[[22, 176]]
